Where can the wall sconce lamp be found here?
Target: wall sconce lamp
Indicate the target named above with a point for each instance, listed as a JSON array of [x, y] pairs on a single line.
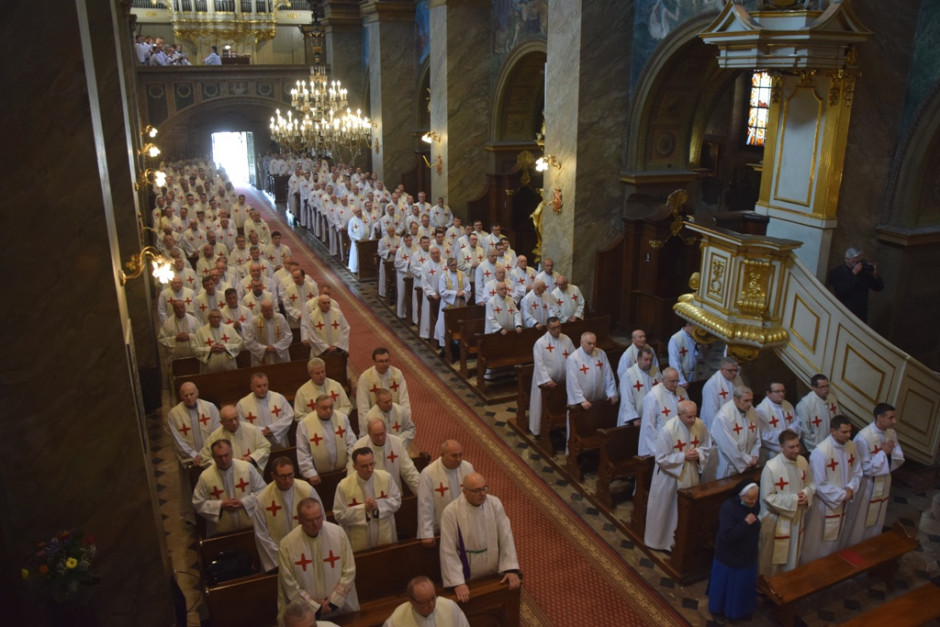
[[542, 163], [162, 269], [149, 131], [149, 150], [438, 164], [430, 137], [150, 177]]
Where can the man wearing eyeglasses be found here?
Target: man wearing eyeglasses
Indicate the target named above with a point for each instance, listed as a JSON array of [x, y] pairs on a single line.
[[273, 515], [476, 539], [776, 413], [718, 389]]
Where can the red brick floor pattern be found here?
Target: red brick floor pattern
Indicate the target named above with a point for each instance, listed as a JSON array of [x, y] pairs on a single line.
[[570, 574]]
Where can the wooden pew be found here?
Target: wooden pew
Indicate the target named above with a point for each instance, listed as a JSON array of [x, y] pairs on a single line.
[[246, 602], [469, 331], [452, 318], [918, 607], [241, 541], [646, 465], [391, 281], [619, 459], [409, 285], [582, 432], [368, 253], [878, 556], [554, 408]]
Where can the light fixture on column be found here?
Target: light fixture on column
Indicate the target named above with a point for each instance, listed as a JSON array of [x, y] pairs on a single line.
[[149, 150], [150, 177], [430, 137], [161, 267], [542, 163], [149, 131]]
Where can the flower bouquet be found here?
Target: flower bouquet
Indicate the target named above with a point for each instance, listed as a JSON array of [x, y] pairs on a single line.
[[61, 566]]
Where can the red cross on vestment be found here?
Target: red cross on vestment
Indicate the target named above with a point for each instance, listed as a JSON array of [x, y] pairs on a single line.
[[816, 421], [188, 301], [309, 295], [442, 489], [511, 311], [340, 431], [486, 273], [832, 408], [251, 306], [535, 305], [334, 394], [319, 325], [498, 310], [274, 507], [335, 324], [752, 427], [382, 495], [224, 338], [242, 484], [737, 428], [392, 457], [203, 307], [204, 419], [679, 445], [788, 418], [549, 348], [781, 483], [316, 439], [251, 418], [312, 404], [599, 364], [277, 411], [375, 388], [638, 386], [774, 422], [396, 426], [432, 271], [332, 559], [876, 450], [722, 394], [394, 386], [303, 562], [683, 351], [293, 297], [191, 281], [185, 429], [694, 442], [521, 281], [217, 492], [209, 341], [354, 502], [832, 463], [565, 354], [584, 369], [851, 459], [666, 411], [560, 302]]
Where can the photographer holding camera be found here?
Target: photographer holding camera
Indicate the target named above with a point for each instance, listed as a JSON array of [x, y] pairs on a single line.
[[851, 281]]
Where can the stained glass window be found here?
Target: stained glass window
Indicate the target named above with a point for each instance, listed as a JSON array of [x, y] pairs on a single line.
[[758, 108]]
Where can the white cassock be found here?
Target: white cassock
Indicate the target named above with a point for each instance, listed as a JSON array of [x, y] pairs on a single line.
[[418, 258], [323, 445], [588, 377], [295, 297], [814, 414], [402, 271], [774, 418], [172, 327], [275, 515], [275, 254], [869, 507], [629, 358], [397, 422], [659, 406], [536, 309], [446, 614], [253, 301], [438, 486], [273, 411], [430, 275], [835, 467], [635, 384], [305, 399], [206, 302], [737, 438], [239, 314], [371, 382], [190, 428], [388, 248], [683, 355], [262, 333], [454, 288], [569, 303], [549, 356], [357, 231], [547, 279], [318, 568], [475, 541], [673, 473], [325, 329], [367, 529], [715, 393], [781, 519], [247, 440], [208, 336], [485, 273], [168, 297], [393, 458], [520, 281], [240, 481], [261, 228], [502, 314]]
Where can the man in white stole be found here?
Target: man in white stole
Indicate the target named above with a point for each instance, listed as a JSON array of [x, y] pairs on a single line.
[[268, 337], [683, 446], [659, 406], [389, 454], [776, 414], [190, 423], [635, 384], [683, 354], [174, 335], [880, 451], [216, 345], [502, 315], [324, 441], [388, 247], [223, 490], [305, 398], [736, 432], [366, 502], [273, 515], [316, 565], [837, 471], [439, 484], [324, 328], [588, 376], [786, 488], [356, 229], [402, 271], [549, 355], [425, 609], [397, 421], [247, 441], [272, 411], [430, 275], [476, 539], [637, 341], [381, 376], [815, 410], [454, 289], [718, 390]]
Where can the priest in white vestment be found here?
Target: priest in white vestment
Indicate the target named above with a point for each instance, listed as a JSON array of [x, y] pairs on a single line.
[[476, 539], [366, 502], [736, 432], [502, 315], [816, 410], [316, 565], [549, 356], [537, 307], [268, 337], [880, 453], [786, 489], [425, 609], [247, 441], [440, 483], [637, 341], [588, 376], [635, 384], [222, 494], [430, 276], [396, 419], [683, 354], [390, 454], [683, 447], [382, 376], [356, 229], [324, 441], [403, 271], [305, 398], [267, 410], [174, 335], [216, 345], [324, 329], [190, 423], [837, 472], [776, 414], [659, 406], [454, 289], [569, 302], [718, 390]]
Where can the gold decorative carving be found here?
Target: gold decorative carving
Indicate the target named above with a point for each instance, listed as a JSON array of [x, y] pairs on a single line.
[[677, 201], [557, 203], [715, 275], [755, 276]]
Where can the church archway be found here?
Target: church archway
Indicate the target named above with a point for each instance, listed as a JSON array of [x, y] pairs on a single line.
[[520, 95]]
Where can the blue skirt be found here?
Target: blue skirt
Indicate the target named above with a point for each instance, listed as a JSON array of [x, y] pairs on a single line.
[[732, 592]]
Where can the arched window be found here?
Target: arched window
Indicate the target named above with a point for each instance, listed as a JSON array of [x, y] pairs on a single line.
[[758, 108]]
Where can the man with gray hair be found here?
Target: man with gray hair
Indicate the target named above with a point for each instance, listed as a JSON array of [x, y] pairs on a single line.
[[736, 430], [852, 280]]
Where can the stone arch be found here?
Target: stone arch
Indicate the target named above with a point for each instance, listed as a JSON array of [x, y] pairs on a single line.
[[673, 99], [520, 94], [422, 119]]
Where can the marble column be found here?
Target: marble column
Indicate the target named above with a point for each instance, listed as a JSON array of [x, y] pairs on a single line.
[[586, 87], [461, 96], [79, 456], [390, 31]]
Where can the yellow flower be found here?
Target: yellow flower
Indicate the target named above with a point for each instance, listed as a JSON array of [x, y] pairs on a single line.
[[25, 573], [71, 563]]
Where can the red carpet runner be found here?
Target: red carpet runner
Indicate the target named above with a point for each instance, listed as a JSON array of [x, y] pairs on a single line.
[[571, 576]]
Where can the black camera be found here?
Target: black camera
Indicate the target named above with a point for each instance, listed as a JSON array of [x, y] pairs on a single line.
[[867, 267]]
